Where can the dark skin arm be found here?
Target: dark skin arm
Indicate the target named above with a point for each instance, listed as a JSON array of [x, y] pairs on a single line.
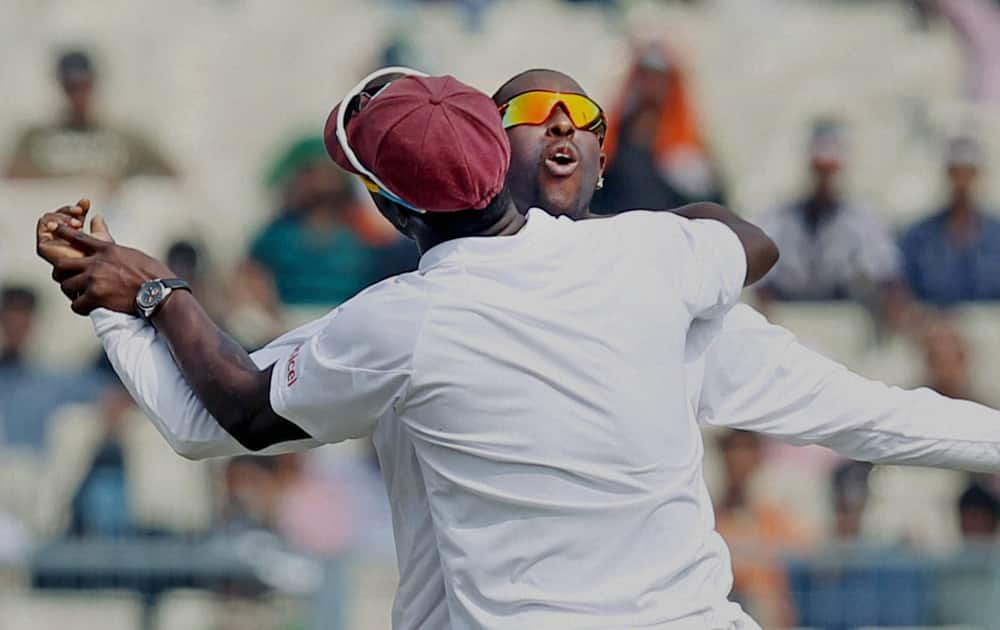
[[223, 376]]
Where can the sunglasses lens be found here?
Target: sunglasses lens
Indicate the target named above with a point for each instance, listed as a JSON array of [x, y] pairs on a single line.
[[582, 111], [534, 108]]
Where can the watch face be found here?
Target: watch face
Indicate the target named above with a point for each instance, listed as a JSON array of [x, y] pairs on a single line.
[[150, 294]]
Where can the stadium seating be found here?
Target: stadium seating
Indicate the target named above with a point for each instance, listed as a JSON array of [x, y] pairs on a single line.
[[843, 331], [980, 324], [90, 611], [223, 85]]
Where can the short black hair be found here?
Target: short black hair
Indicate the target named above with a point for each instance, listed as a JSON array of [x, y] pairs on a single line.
[[976, 497], [18, 297], [184, 258], [850, 483], [517, 76], [74, 65]]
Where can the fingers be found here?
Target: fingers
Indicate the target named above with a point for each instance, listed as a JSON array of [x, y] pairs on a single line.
[[99, 229], [51, 220], [72, 266], [63, 268], [46, 244], [84, 304], [67, 215], [75, 286], [80, 240]]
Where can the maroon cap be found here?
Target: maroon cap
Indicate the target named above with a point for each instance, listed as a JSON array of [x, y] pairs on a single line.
[[435, 142]]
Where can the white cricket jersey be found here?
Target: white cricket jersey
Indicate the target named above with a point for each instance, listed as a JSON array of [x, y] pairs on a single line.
[[530, 390], [754, 376]]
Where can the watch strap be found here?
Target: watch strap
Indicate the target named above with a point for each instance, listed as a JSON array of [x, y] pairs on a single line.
[[175, 284]]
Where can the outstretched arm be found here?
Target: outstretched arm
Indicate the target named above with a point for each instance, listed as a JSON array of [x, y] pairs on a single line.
[[758, 377]]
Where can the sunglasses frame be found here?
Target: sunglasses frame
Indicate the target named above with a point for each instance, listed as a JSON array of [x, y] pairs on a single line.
[[599, 126], [371, 181]]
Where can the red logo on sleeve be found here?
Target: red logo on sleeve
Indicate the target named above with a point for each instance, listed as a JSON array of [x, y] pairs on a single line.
[[290, 368]]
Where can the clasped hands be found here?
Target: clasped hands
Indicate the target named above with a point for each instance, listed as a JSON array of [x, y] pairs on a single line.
[[92, 270]]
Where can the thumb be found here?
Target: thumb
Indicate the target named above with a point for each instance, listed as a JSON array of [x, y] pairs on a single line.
[[99, 229]]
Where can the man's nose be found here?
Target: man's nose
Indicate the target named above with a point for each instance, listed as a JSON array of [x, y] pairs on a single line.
[[560, 124]]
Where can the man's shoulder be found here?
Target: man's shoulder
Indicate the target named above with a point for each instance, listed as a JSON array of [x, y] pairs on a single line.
[[929, 225], [389, 313], [991, 223], [638, 221]]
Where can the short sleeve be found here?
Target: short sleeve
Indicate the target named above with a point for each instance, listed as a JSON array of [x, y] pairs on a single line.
[[338, 383], [716, 267]]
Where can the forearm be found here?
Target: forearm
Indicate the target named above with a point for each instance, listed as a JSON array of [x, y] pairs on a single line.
[[761, 379], [233, 389], [143, 362], [761, 251]]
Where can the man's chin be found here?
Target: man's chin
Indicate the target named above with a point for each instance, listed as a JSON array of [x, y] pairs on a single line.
[[563, 200]]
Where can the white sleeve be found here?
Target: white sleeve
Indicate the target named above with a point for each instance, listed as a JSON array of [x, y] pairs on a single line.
[[338, 383], [702, 259], [759, 378], [713, 281], [143, 362]]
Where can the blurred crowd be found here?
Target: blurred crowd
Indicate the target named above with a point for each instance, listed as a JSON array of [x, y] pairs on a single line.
[[79, 460]]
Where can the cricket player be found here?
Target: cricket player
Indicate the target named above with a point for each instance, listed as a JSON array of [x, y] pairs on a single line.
[[754, 375], [525, 387]]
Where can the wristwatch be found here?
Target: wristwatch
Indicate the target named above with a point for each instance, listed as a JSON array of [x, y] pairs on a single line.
[[153, 293]]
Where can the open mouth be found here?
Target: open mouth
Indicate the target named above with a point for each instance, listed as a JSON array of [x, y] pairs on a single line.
[[561, 160]]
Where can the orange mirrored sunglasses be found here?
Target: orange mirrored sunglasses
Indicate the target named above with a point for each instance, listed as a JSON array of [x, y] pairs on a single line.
[[535, 107]]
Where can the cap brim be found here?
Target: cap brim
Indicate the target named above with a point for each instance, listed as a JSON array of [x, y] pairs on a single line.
[[333, 148]]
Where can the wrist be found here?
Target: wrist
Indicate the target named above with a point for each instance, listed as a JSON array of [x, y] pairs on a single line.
[[154, 294], [175, 302]]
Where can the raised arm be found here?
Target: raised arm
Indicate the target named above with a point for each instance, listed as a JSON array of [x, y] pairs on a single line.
[[232, 388], [758, 377], [761, 252]]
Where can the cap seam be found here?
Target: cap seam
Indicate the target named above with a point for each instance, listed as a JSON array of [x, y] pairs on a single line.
[[465, 157]]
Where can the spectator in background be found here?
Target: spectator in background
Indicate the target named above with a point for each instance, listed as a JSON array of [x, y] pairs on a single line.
[[947, 360], [857, 585], [850, 497], [187, 260], [250, 494], [281, 495], [312, 514], [758, 533], [100, 504], [79, 144], [978, 511], [316, 252], [107, 474], [831, 249], [28, 393], [954, 255], [657, 158]]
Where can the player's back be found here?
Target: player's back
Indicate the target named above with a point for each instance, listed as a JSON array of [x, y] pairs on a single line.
[[547, 411]]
